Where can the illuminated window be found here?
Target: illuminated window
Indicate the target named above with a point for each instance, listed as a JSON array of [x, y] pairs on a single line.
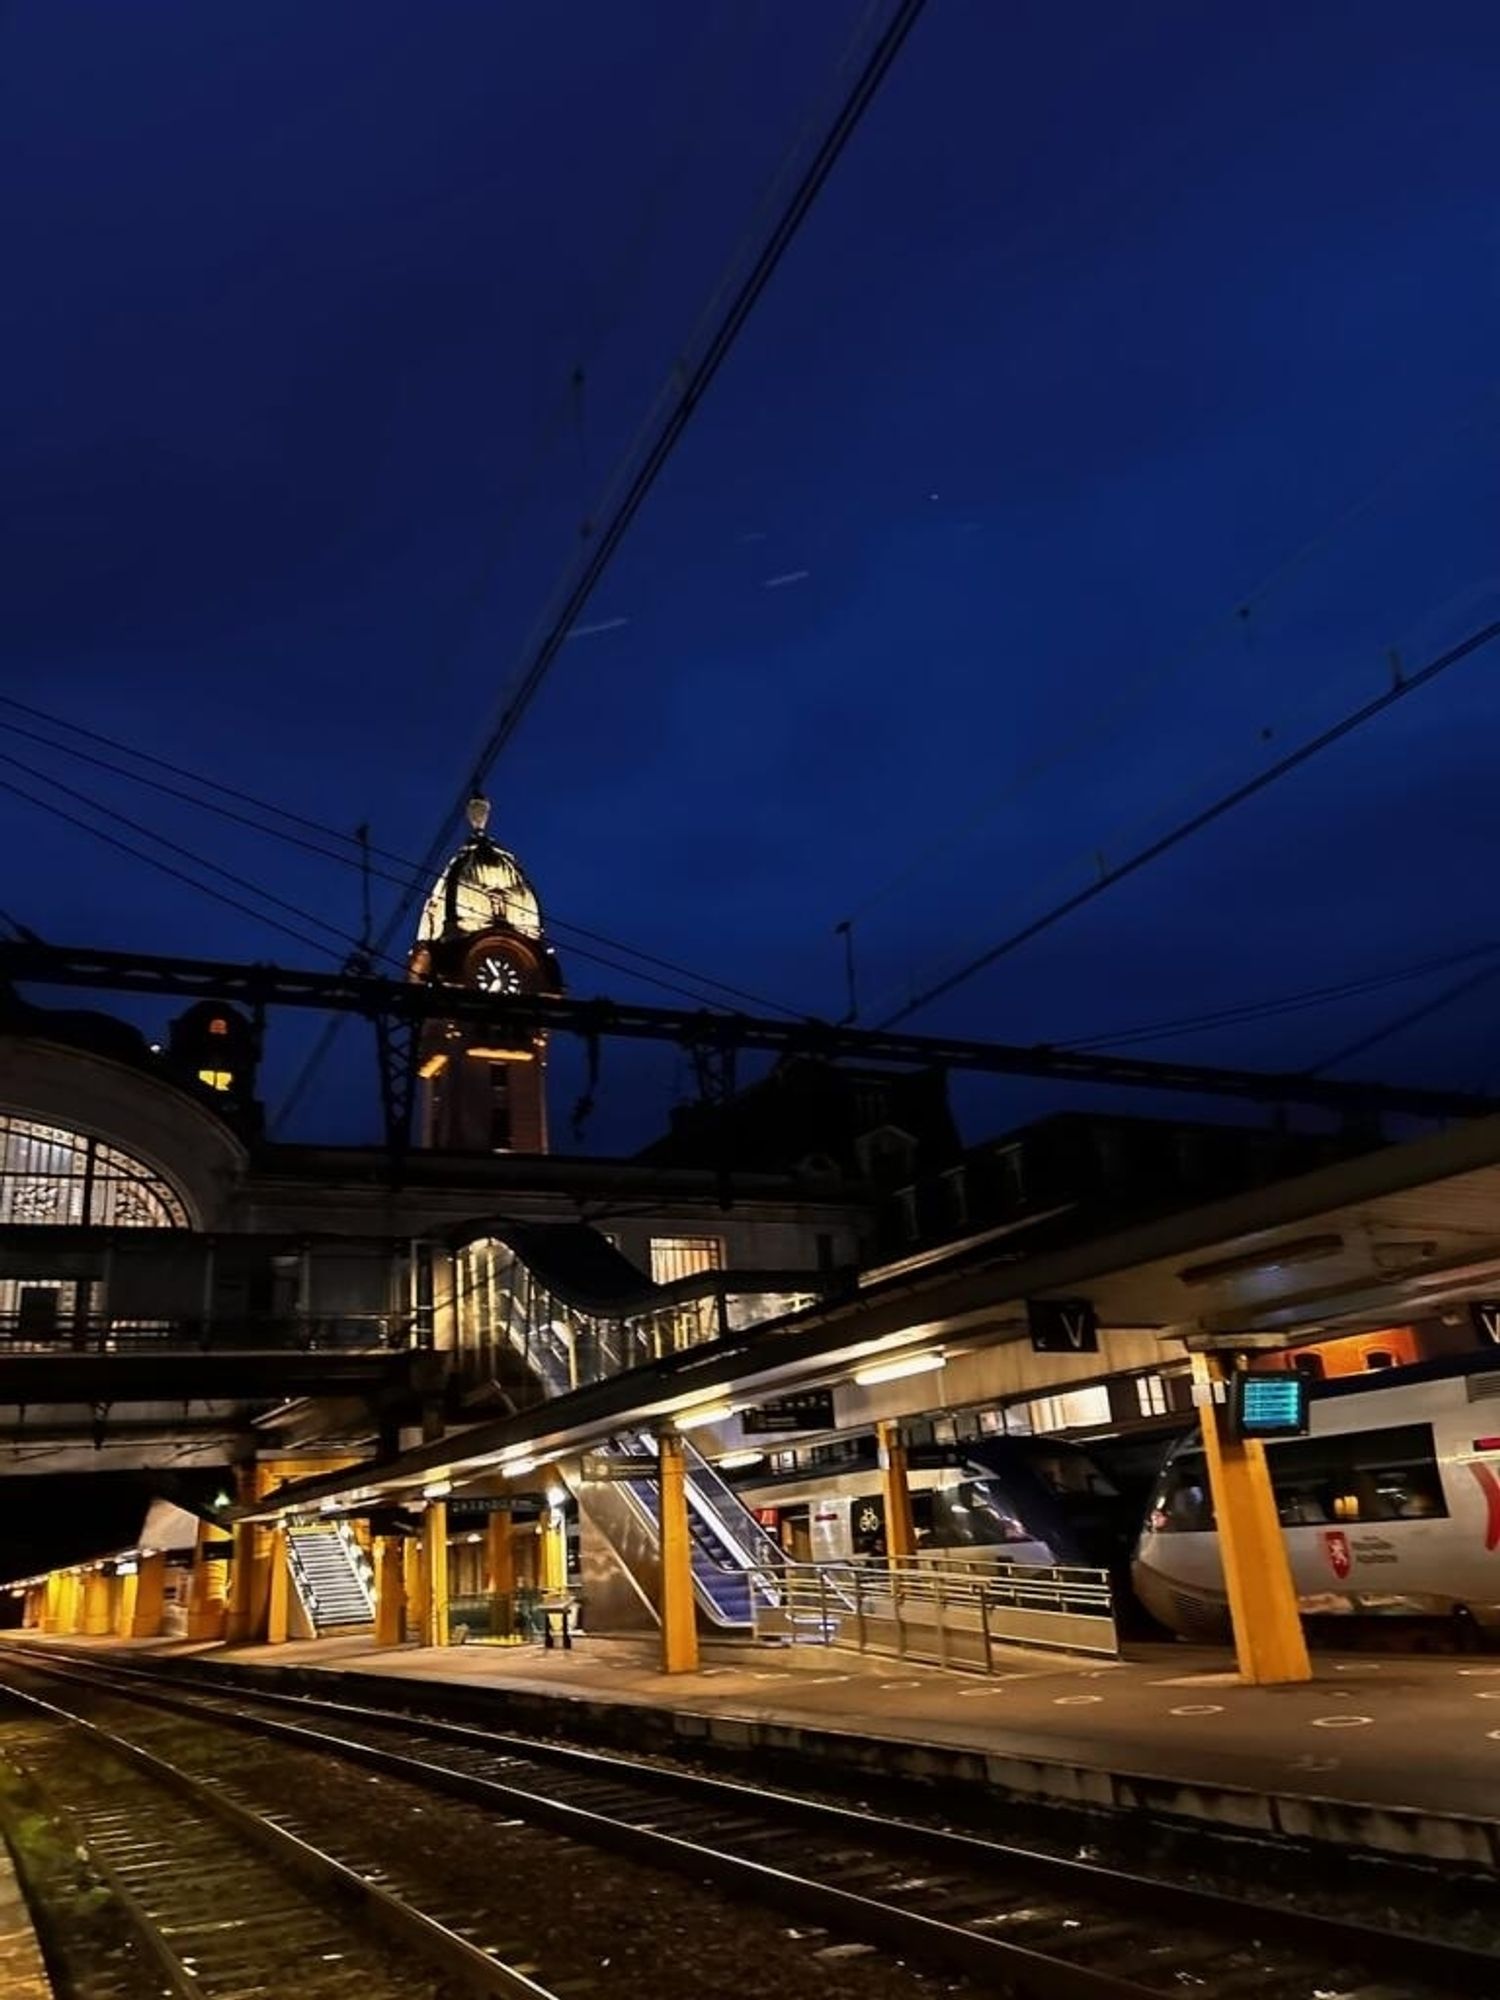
[[674, 1257], [1151, 1395], [218, 1025], [52, 1176], [216, 1079]]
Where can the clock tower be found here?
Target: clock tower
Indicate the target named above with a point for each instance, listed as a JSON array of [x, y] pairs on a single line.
[[483, 1090]]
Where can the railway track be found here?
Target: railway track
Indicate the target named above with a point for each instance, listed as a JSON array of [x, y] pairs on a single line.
[[1013, 1919], [221, 1901]]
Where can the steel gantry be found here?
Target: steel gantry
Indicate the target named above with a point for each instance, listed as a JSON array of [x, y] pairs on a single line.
[[397, 1007]]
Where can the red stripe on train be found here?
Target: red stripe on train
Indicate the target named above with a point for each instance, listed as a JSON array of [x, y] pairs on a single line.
[[1489, 1486]]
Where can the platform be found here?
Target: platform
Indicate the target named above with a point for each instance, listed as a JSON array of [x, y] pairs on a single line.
[[1393, 1754]]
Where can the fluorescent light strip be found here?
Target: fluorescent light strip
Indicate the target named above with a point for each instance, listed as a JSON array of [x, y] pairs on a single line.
[[893, 1371]]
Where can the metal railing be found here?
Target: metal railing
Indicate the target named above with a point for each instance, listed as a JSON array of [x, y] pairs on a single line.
[[953, 1617], [501, 1617], [355, 1333]]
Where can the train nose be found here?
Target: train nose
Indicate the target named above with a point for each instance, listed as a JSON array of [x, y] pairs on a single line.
[[1190, 1613]]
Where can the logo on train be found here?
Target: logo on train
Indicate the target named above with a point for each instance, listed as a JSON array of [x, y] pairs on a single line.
[[1336, 1548]]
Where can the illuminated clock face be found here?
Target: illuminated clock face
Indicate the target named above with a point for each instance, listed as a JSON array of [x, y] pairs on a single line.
[[497, 975]]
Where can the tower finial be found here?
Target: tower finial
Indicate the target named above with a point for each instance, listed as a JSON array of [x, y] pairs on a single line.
[[478, 812]]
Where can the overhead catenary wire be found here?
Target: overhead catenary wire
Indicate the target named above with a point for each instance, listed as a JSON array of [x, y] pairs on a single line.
[[318, 944], [1185, 829], [354, 857], [684, 391], [1274, 1006], [1102, 730]]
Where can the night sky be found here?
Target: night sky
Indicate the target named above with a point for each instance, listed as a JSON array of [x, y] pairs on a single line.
[[1132, 392]]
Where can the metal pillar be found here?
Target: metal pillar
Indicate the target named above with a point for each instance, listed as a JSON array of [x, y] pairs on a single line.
[[1269, 1645], [150, 1598], [207, 1591], [679, 1619], [390, 1590], [414, 1576], [499, 1553], [900, 1529], [96, 1605], [435, 1573], [279, 1597], [70, 1605], [127, 1590]]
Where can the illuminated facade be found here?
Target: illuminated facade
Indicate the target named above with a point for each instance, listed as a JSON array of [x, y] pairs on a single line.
[[481, 928]]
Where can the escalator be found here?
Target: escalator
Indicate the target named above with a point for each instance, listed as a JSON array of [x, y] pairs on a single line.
[[730, 1551]]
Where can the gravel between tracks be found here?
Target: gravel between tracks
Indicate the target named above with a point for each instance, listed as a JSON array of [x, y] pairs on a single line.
[[572, 1918]]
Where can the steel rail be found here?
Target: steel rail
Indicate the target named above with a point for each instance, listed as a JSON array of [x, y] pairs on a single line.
[[1438, 1963], [399, 1923]]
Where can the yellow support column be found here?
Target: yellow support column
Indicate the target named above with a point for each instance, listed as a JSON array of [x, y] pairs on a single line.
[[33, 1607], [679, 1617], [96, 1605], [52, 1599], [279, 1599], [414, 1575], [127, 1589], [70, 1611], [390, 1591], [500, 1573], [900, 1529], [499, 1553], [150, 1598], [208, 1589], [554, 1526], [435, 1573], [1269, 1644], [239, 1624]]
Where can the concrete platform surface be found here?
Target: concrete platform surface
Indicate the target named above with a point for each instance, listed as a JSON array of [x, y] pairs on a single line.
[[1393, 1733]]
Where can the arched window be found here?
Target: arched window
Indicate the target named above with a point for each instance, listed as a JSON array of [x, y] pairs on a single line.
[[51, 1176]]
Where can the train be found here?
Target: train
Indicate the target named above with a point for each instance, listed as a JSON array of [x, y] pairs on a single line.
[[988, 1501], [1390, 1507]]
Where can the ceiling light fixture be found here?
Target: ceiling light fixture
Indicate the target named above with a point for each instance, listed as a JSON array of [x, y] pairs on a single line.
[[711, 1413], [893, 1371]]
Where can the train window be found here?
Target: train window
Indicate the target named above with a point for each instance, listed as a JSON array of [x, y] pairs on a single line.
[[1385, 1475], [1379, 1357], [1183, 1505], [1071, 1473]]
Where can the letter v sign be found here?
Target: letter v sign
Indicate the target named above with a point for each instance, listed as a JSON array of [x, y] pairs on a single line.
[[1063, 1326]]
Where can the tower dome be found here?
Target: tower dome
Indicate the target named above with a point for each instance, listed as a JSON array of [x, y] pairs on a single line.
[[481, 889]]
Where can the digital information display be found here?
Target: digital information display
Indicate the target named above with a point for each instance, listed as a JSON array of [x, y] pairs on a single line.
[[1270, 1405]]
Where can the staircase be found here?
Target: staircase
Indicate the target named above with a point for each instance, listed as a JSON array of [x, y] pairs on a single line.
[[331, 1578]]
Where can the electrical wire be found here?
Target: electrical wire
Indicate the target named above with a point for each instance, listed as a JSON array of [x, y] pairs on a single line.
[[1104, 724], [165, 867], [1226, 803], [681, 397], [356, 860], [1408, 1019], [678, 402], [1288, 1003]]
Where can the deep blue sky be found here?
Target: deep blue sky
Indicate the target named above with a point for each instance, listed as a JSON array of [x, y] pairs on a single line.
[[1108, 317]]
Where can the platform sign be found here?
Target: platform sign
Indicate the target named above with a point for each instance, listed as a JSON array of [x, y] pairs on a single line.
[[1063, 1326], [1273, 1405], [810, 1410], [1485, 1314]]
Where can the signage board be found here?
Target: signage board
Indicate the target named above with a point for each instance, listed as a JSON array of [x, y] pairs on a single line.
[[808, 1410], [1485, 1314], [1062, 1326], [1270, 1405]]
